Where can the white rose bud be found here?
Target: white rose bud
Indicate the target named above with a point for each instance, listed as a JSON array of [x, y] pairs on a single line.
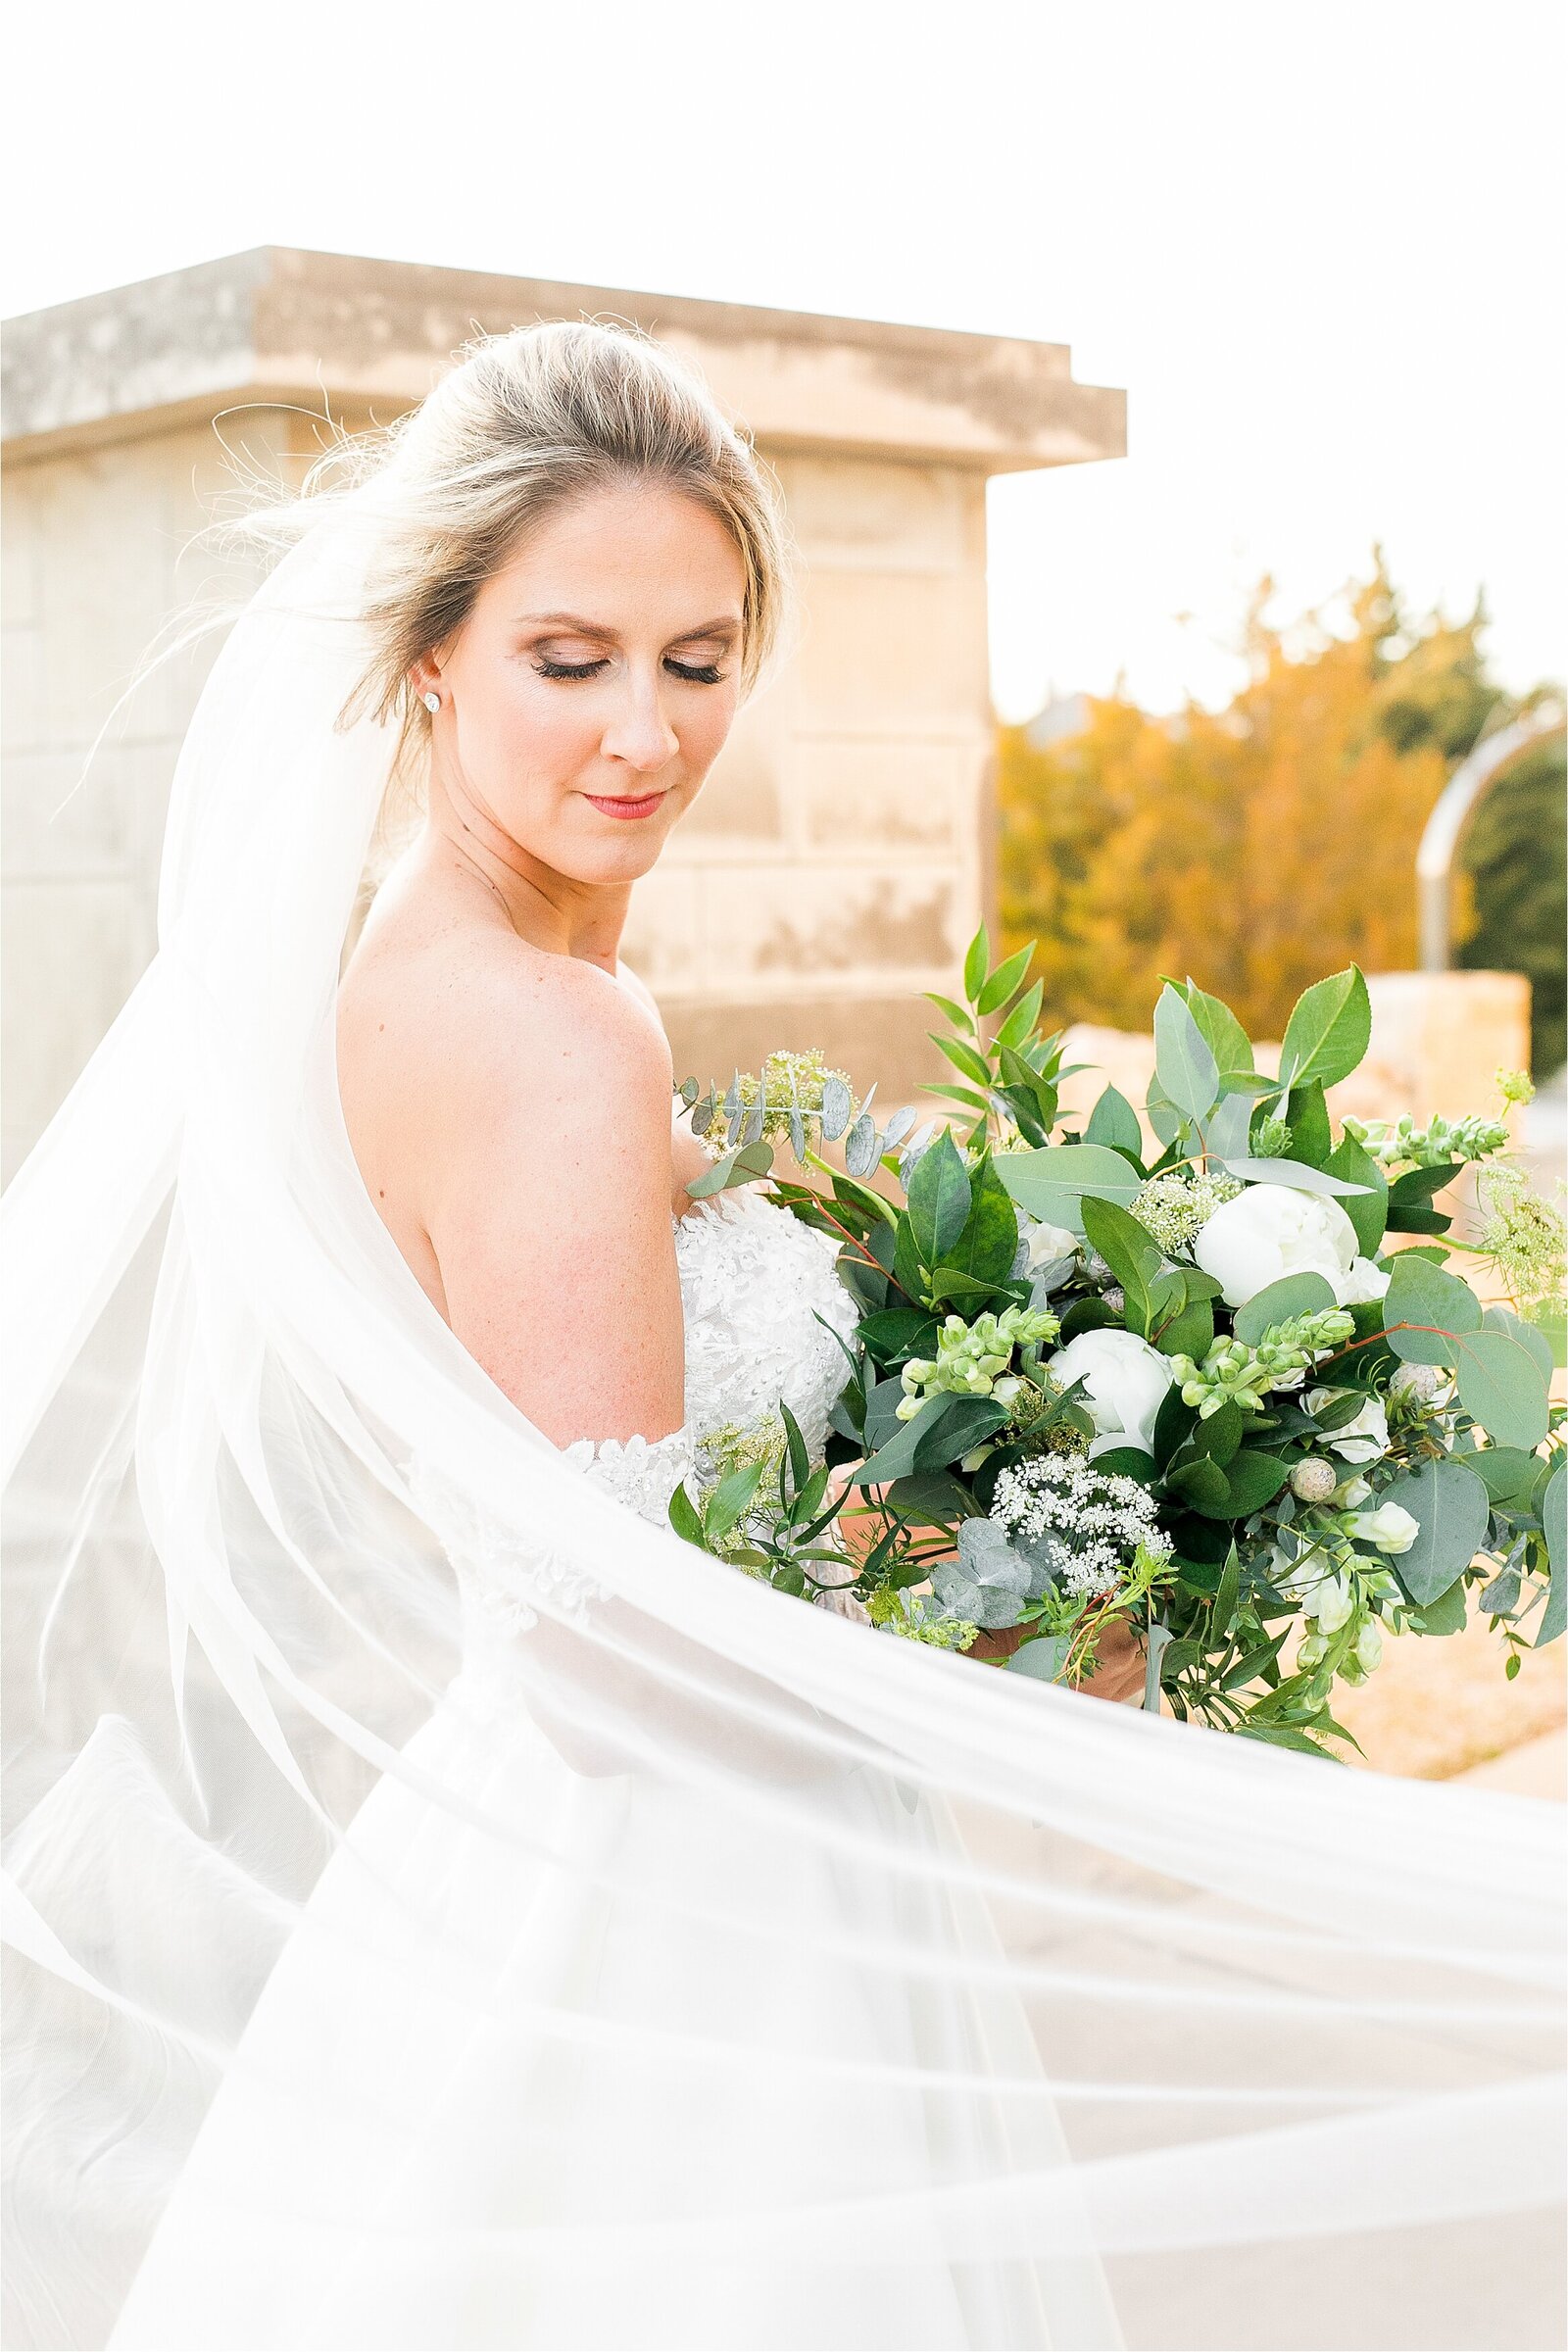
[[1363, 1439], [1333, 1605], [1047, 1243], [1314, 1480], [1390, 1527]]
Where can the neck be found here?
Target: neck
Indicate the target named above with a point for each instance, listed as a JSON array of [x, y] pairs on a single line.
[[550, 910]]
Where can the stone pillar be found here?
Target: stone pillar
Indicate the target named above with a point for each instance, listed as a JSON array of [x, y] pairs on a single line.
[[835, 862]]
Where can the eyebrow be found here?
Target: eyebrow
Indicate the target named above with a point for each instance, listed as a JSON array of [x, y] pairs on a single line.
[[723, 626]]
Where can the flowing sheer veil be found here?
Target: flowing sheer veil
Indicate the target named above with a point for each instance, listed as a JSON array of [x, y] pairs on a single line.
[[1255, 2050]]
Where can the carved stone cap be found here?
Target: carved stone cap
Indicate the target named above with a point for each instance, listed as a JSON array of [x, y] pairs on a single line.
[[281, 324]]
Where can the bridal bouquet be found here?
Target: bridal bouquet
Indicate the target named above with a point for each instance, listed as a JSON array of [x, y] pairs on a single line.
[[1230, 1386]]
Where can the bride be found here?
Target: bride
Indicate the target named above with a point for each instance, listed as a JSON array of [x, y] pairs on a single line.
[[445, 1910]]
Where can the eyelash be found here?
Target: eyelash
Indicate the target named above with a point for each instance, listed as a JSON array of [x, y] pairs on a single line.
[[710, 675]]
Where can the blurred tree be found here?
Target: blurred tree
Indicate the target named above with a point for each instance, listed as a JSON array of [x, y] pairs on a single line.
[[1516, 858], [1258, 846]]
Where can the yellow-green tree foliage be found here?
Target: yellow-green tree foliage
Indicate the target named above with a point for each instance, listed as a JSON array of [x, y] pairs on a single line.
[[1256, 848]]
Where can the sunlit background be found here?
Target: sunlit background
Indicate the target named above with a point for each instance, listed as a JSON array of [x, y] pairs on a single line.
[[1321, 248], [1321, 245]]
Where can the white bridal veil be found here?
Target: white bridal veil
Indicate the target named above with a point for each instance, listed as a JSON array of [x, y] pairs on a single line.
[[790, 1981]]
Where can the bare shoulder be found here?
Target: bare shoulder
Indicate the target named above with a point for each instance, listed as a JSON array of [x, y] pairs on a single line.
[[458, 1035], [518, 1104]]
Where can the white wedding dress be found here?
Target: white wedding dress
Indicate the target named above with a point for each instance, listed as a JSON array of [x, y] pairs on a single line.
[[443, 1908], [366, 2105]]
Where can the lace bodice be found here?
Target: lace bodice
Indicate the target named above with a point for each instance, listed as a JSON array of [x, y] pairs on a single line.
[[752, 1281]]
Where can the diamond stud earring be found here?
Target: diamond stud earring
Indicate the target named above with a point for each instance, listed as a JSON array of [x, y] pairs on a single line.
[[432, 702]]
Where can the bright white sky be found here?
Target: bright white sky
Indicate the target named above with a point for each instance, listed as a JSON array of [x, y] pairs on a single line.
[[1321, 246]]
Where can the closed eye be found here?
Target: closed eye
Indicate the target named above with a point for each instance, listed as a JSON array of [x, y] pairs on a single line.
[[707, 674]]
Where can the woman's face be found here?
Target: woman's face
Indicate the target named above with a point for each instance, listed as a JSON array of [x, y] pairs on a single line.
[[597, 673]]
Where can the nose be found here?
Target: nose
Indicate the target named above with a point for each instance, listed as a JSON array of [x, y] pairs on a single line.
[[640, 735]]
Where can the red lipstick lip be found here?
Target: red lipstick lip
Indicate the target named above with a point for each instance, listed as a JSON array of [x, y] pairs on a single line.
[[643, 805]]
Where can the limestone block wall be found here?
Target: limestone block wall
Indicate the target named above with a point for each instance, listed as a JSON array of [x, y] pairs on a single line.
[[92, 568]]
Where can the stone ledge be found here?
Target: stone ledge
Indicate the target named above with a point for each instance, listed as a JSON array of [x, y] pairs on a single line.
[[279, 323]]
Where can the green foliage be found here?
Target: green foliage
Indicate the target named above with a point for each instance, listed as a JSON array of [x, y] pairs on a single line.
[[1513, 854], [985, 1244], [1252, 846]]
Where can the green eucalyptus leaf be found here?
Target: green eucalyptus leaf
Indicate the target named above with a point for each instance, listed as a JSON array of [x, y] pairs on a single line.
[[895, 1454], [739, 1166], [1187, 1070], [1419, 1187], [1452, 1510], [799, 1454], [1507, 1472], [1328, 1031], [1534, 1341], [1445, 1615], [1426, 1311], [1306, 1114], [1228, 1126], [965, 1059], [685, 1518], [1293, 1295], [837, 1103], [1127, 1461], [1226, 1597], [1202, 1485], [1222, 1032], [862, 1150], [1554, 1517], [1502, 1386], [1044, 1659], [1019, 1024], [940, 1196], [977, 957], [1005, 981], [1297, 1174], [732, 1496], [1162, 1115], [954, 1012], [1130, 1251], [1368, 1210], [988, 1244], [1114, 1123], [1184, 1326], [1051, 1183]]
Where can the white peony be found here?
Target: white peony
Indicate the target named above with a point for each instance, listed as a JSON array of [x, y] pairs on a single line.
[[1125, 1381], [1271, 1230], [1363, 1439], [1390, 1527]]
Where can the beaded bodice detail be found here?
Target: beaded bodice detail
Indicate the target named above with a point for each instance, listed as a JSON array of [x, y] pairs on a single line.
[[753, 1281]]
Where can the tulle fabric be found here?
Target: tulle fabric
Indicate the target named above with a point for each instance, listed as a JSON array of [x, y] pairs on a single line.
[[684, 1966]]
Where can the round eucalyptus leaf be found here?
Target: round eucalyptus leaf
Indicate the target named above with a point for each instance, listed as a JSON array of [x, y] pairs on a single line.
[[862, 1150], [837, 1103], [1452, 1510]]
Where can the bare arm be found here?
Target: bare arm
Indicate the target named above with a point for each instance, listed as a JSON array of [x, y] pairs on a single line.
[[548, 1201]]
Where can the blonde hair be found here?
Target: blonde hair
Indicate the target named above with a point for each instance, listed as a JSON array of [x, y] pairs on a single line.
[[523, 423]]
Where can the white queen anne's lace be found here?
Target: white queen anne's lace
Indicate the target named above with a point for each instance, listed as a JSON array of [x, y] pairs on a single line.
[[1089, 1523], [752, 1281]]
